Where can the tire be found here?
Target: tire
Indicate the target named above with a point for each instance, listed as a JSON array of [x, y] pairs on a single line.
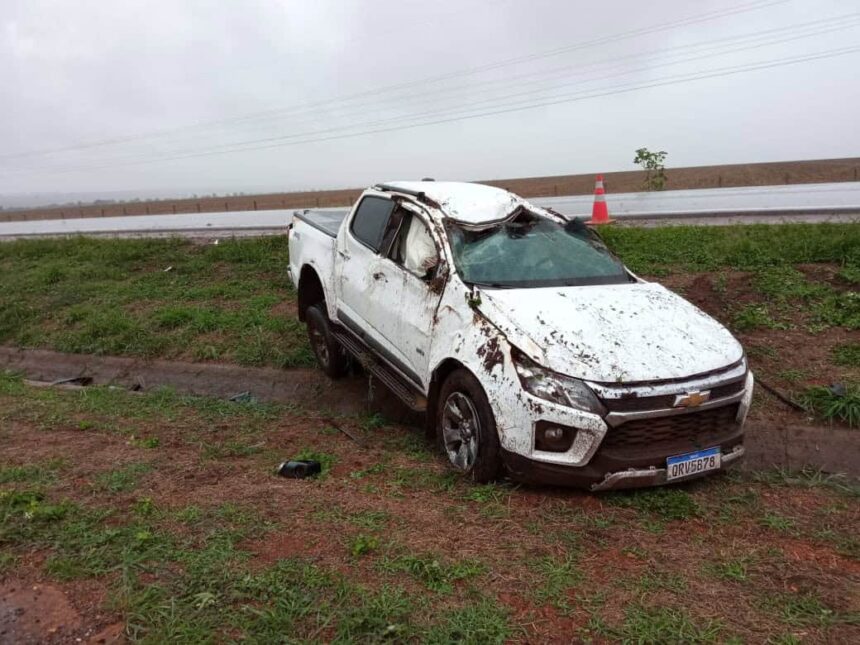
[[329, 353], [471, 447]]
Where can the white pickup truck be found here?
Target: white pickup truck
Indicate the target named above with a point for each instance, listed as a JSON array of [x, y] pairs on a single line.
[[532, 349]]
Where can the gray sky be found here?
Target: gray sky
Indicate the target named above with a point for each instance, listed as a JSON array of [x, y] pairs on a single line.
[[150, 75]]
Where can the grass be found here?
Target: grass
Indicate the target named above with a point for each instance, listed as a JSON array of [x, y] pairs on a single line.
[[691, 248], [663, 503], [232, 302], [100, 408], [185, 544], [362, 544], [114, 297], [121, 480], [556, 577], [847, 354], [829, 403], [437, 574], [658, 626], [776, 522], [806, 609], [808, 478], [735, 569], [755, 316]]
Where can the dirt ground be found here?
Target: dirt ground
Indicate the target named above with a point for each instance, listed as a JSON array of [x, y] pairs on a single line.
[[157, 517], [172, 507], [793, 355]]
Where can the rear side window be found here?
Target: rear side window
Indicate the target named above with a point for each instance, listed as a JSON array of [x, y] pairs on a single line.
[[368, 225]]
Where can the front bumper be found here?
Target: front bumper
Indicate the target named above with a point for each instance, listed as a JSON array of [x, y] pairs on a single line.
[[632, 448], [604, 473]]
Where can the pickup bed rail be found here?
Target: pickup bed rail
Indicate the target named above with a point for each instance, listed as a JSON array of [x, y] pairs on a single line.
[[326, 221]]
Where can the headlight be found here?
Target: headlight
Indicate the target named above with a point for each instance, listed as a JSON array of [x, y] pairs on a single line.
[[554, 387]]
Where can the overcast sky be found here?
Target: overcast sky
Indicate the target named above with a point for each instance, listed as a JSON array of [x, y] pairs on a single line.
[[173, 84]]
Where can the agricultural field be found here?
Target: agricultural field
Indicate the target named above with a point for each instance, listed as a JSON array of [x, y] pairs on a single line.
[[722, 176], [158, 516]]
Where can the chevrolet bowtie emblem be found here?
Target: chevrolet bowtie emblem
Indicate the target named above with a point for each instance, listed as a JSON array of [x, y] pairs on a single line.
[[692, 399]]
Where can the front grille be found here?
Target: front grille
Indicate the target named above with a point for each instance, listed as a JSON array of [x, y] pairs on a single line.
[[639, 403], [677, 434]]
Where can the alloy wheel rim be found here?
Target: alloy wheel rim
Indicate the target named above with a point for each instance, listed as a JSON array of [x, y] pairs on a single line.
[[460, 429], [320, 346]]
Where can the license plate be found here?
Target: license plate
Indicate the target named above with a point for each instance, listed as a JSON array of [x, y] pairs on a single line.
[[692, 463]]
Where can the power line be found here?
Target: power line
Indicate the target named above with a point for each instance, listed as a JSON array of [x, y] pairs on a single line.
[[773, 36], [758, 39], [720, 72], [695, 19], [555, 87]]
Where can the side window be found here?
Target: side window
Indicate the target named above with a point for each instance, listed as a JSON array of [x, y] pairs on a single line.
[[370, 220], [414, 248]]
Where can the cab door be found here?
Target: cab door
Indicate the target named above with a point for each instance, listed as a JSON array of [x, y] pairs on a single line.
[[365, 281], [413, 304]]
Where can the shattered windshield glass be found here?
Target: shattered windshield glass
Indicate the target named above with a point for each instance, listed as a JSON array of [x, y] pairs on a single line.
[[534, 251]]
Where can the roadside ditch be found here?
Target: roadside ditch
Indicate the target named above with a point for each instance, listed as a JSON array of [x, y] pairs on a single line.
[[769, 445]]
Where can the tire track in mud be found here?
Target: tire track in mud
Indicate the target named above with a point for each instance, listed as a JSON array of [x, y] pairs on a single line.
[[833, 450]]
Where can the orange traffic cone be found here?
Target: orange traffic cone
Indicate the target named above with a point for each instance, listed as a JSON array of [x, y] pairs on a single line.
[[599, 212]]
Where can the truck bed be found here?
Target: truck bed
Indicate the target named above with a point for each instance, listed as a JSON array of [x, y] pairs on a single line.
[[327, 221]]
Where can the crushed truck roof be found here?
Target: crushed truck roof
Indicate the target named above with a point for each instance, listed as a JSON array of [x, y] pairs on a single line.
[[472, 204]]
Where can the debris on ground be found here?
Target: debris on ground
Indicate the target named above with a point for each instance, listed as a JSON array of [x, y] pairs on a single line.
[[299, 469]]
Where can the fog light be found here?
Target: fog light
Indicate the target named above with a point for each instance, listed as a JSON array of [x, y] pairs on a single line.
[[553, 434], [553, 438]]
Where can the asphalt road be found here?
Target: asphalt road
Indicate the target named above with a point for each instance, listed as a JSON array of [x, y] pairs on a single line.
[[838, 202]]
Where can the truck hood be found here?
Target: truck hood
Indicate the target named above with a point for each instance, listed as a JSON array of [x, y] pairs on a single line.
[[611, 333]]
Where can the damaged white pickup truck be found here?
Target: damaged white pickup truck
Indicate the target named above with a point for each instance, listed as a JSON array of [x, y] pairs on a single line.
[[532, 349]]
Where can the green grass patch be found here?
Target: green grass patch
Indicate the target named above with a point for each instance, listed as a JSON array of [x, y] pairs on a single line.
[[114, 297], [777, 522], [803, 478], [658, 626], [556, 578], [437, 574], [829, 404], [114, 410], [735, 569], [847, 355], [123, 479], [653, 581], [747, 247], [81, 542], [755, 316], [32, 474], [224, 302], [362, 544], [850, 274], [665, 503], [806, 609]]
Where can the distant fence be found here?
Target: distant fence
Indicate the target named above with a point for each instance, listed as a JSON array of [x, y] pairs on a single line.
[[762, 174]]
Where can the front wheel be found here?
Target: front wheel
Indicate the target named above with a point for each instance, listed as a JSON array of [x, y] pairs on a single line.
[[329, 353], [466, 428]]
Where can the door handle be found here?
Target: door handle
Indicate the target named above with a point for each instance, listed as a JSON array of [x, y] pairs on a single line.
[[379, 275], [343, 254]]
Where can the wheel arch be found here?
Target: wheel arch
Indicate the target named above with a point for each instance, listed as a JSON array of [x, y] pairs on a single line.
[[310, 290], [440, 373]]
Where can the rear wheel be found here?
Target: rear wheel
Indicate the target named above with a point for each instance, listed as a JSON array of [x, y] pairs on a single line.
[[329, 353], [466, 428]]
